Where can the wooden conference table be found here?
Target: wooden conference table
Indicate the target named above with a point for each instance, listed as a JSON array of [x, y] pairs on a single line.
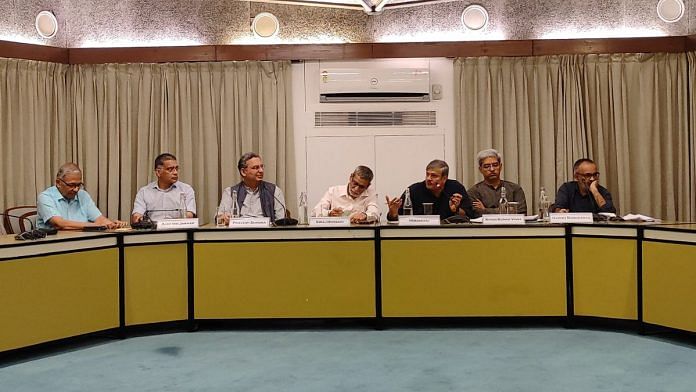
[[72, 284]]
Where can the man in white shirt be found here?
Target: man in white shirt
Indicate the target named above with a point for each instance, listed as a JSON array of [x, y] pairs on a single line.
[[161, 199], [355, 200]]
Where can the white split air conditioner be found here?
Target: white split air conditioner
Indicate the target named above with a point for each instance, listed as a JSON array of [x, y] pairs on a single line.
[[374, 85]]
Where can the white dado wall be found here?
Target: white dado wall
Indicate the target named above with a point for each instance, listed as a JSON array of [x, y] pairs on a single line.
[[397, 154]]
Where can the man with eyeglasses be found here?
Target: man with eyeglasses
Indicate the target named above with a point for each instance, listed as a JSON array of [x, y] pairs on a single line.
[[584, 194], [66, 206], [356, 199], [161, 199], [485, 196], [448, 197], [256, 197]]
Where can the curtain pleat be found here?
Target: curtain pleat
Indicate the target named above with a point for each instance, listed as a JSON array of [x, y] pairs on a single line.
[[628, 112]]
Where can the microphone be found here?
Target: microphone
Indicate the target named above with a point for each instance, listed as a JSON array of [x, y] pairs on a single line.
[[286, 220]]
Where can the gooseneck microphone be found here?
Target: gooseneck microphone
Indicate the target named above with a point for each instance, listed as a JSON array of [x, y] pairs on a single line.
[[285, 220]]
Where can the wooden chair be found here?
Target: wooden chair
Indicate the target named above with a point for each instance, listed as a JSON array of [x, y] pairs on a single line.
[[14, 225]]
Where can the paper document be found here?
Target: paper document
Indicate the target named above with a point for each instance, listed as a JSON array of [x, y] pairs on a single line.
[[639, 218]]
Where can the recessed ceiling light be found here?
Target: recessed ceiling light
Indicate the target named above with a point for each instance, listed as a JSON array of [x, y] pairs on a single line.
[[265, 25], [475, 17], [670, 11], [46, 24]]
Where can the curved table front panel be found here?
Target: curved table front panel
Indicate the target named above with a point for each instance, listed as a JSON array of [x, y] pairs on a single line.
[[57, 288]]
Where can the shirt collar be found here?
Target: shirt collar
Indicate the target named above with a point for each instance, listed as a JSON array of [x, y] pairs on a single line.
[[60, 196], [155, 186]]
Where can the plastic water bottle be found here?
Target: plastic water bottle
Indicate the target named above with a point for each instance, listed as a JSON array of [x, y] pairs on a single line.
[[302, 214], [235, 205], [544, 205], [182, 205], [503, 203], [408, 205]]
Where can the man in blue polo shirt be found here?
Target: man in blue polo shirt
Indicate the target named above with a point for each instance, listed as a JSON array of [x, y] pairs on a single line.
[[66, 206]]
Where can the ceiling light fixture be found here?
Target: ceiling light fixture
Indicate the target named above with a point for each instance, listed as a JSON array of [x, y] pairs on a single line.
[[670, 11], [265, 25], [46, 24], [475, 17]]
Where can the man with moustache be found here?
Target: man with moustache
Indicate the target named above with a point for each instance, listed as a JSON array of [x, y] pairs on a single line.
[[66, 206], [161, 199], [584, 194], [485, 195], [449, 197], [356, 199], [256, 197]]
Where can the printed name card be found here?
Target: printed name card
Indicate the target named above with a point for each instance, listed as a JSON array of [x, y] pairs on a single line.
[[170, 224], [571, 217], [329, 221], [241, 223], [419, 220], [503, 219]]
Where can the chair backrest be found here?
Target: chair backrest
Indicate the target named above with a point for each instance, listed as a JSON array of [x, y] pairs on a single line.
[[18, 225]]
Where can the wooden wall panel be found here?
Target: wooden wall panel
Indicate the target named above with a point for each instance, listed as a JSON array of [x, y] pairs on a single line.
[[453, 49], [609, 45], [294, 52], [17, 50], [346, 51], [167, 54]]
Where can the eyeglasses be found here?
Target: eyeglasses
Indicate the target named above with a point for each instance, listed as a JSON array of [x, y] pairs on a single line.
[[77, 185], [170, 169], [589, 175], [355, 184], [489, 166]]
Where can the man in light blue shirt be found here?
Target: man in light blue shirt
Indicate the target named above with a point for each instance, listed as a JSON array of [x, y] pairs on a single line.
[[162, 199], [66, 206]]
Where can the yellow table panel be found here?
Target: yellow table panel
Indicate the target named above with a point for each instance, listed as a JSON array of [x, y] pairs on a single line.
[[605, 277], [156, 283], [669, 285], [473, 277], [304, 279], [53, 297]]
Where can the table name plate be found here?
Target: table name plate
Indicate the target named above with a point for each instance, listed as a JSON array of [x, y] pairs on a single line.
[[571, 217], [503, 219], [239, 223], [183, 223], [329, 221], [419, 220]]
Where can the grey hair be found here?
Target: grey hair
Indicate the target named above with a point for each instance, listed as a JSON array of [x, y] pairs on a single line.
[[439, 164], [242, 164], [364, 172], [68, 168], [488, 153], [579, 162]]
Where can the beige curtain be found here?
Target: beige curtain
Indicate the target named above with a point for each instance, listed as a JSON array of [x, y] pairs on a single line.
[[35, 135], [124, 115], [628, 112], [207, 114]]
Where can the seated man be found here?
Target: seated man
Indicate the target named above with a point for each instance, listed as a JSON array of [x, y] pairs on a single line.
[[66, 206], [485, 196], [161, 199], [356, 199], [449, 197], [256, 197], [584, 194]]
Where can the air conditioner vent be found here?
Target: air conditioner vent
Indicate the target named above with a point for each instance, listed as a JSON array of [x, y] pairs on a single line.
[[375, 119]]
